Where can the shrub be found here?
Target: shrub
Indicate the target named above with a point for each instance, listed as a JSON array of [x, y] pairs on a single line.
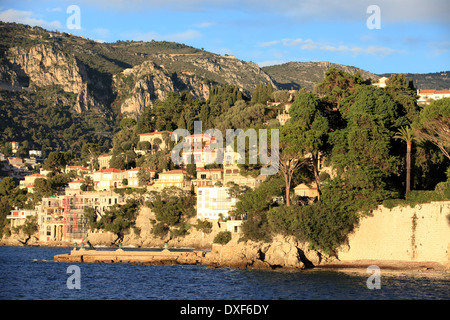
[[223, 237], [160, 230], [182, 230], [316, 224], [204, 225]]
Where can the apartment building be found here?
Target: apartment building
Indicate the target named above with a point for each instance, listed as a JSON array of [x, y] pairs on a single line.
[[158, 139], [61, 218], [173, 178], [427, 96], [17, 217], [111, 178], [208, 177], [214, 203], [29, 180]]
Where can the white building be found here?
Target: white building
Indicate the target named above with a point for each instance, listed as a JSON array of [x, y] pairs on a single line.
[[426, 96], [18, 217], [214, 202]]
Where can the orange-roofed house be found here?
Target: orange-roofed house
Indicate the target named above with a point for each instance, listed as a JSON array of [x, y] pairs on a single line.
[[30, 179], [426, 96], [133, 178], [381, 82], [76, 185], [208, 177], [173, 178], [78, 169], [158, 139], [199, 149], [109, 178]]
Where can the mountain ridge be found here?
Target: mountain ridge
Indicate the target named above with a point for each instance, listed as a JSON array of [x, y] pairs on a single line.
[[53, 80]]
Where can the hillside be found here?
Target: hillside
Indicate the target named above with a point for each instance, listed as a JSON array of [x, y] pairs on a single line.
[[56, 82], [428, 81], [296, 75], [58, 91]]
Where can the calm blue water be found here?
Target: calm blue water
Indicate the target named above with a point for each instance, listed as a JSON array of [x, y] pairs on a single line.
[[30, 273]]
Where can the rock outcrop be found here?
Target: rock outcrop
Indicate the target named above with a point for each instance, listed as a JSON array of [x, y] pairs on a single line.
[[139, 86], [43, 65], [285, 253]]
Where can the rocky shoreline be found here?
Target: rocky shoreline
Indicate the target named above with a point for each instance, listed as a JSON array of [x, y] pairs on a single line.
[[283, 254]]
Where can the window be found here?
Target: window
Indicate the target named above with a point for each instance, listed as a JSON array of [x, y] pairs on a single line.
[[203, 176]]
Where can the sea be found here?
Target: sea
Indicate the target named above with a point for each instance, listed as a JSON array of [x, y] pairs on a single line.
[[30, 273]]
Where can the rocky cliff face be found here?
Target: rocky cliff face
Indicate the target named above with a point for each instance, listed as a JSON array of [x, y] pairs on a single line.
[[139, 86], [133, 88], [45, 66], [41, 66]]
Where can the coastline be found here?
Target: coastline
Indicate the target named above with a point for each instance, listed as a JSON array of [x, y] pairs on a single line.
[[161, 256], [386, 266], [229, 257]]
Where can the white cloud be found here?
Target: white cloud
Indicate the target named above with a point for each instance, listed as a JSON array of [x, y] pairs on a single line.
[[309, 44], [27, 17], [270, 63], [305, 10], [53, 9], [269, 44], [205, 24]]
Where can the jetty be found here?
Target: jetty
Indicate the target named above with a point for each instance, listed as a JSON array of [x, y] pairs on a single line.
[[163, 257]]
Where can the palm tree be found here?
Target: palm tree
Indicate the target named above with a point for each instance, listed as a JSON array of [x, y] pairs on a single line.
[[406, 134]]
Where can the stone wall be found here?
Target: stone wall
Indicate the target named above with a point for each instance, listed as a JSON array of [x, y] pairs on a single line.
[[419, 233]]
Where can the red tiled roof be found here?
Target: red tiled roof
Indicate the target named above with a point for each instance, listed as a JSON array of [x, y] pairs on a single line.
[[138, 168], [110, 170], [174, 172], [434, 91], [78, 181]]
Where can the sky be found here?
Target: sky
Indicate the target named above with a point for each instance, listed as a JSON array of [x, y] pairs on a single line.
[[384, 36]]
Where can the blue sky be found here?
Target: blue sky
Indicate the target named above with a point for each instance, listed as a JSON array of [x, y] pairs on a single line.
[[413, 35]]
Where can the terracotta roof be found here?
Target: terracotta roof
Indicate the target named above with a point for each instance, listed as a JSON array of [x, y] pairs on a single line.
[[139, 168], [110, 170], [174, 172], [77, 181], [434, 91]]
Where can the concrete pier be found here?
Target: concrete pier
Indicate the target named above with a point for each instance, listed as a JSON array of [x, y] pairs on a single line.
[[144, 257]]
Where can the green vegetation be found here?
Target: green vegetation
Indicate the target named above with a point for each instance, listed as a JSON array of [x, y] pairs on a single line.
[[359, 141], [344, 122], [172, 208], [117, 220], [223, 237]]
